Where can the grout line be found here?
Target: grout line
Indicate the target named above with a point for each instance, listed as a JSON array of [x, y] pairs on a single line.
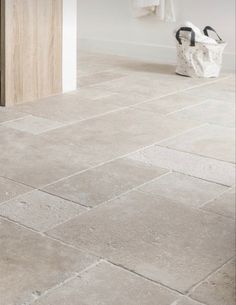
[[195, 286]]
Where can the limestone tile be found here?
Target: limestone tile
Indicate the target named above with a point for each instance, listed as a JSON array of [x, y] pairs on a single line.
[[116, 134], [201, 167], [220, 90], [170, 103], [219, 288], [186, 301], [107, 284], [212, 111], [31, 264], [209, 140], [10, 189], [68, 108], [184, 189], [40, 211], [9, 114], [32, 124], [223, 205], [172, 244], [99, 77], [105, 182], [124, 100], [35, 161]]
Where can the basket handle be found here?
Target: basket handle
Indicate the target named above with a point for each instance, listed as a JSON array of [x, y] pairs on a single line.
[[193, 35], [209, 28]]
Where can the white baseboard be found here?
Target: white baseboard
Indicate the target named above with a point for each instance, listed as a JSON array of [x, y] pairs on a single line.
[[149, 52]]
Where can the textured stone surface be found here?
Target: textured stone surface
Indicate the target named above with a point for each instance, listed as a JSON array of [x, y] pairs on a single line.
[[219, 288], [106, 284], [31, 264], [184, 189], [172, 244], [40, 211]]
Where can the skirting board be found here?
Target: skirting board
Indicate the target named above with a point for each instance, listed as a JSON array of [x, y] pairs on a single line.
[[149, 52]]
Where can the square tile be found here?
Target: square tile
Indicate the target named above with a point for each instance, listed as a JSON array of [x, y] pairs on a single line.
[[209, 140], [184, 189], [193, 165], [31, 264], [172, 244], [171, 103], [10, 189], [212, 111], [223, 205], [32, 124], [105, 182], [109, 285], [40, 211], [219, 288]]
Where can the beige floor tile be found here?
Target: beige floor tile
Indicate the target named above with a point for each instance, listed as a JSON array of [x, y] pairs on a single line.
[[187, 301], [69, 108], [223, 205], [106, 284], [209, 140], [105, 182], [201, 167], [170, 103], [124, 100], [31, 264], [34, 161], [99, 77], [219, 288], [184, 189], [10, 189], [171, 244], [9, 114], [40, 211], [32, 124], [212, 111]]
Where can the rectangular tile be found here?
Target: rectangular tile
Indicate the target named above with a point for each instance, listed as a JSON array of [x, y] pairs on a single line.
[[209, 140], [223, 205], [201, 167], [10, 189], [9, 114], [212, 111], [32, 124], [109, 285], [31, 264], [219, 288], [40, 211], [99, 77], [172, 244], [184, 189], [105, 182]]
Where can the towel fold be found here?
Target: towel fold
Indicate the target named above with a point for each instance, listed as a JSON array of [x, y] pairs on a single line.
[[163, 9]]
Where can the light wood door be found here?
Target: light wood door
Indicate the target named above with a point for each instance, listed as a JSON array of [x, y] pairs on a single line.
[[33, 49]]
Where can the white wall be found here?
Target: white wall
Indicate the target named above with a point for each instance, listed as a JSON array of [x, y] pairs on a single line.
[[69, 49], [108, 26]]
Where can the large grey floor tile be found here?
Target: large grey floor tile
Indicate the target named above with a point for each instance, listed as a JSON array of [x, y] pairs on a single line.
[[99, 77], [171, 244], [184, 189], [9, 114], [170, 103], [69, 108], [10, 189], [36, 161], [106, 284], [209, 140], [186, 163], [124, 100], [39, 210], [105, 182], [32, 124], [219, 288], [223, 205], [31, 264], [187, 301], [212, 111]]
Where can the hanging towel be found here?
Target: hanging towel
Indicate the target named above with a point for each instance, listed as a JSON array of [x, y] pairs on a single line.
[[163, 9]]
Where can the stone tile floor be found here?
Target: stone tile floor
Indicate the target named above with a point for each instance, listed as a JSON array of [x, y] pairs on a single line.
[[121, 193]]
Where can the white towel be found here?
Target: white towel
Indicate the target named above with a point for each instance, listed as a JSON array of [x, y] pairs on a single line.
[[163, 9]]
